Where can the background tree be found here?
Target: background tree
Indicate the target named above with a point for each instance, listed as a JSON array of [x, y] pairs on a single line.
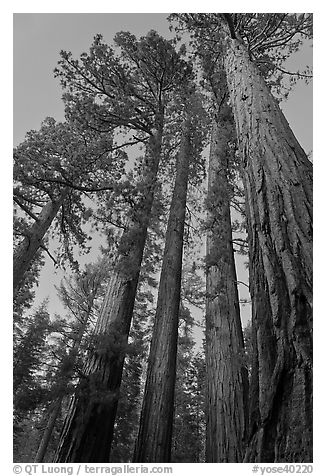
[[53, 167], [28, 382], [132, 383], [188, 444], [80, 296]]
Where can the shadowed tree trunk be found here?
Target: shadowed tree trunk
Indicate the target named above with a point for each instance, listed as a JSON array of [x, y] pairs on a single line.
[[227, 377], [278, 187], [155, 432], [88, 431], [46, 437], [26, 250]]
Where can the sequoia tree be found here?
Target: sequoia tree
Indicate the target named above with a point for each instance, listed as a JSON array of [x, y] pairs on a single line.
[[227, 378], [149, 72], [156, 422], [277, 178]]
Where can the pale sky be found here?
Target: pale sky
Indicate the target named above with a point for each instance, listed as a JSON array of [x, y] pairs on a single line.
[[38, 39]]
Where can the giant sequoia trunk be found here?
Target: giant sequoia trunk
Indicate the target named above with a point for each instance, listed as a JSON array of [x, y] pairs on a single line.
[[278, 186], [88, 431], [227, 378], [26, 250], [155, 432]]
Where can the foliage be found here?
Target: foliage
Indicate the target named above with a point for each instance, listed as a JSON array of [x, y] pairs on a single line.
[[107, 91], [61, 160], [24, 297], [28, 381], [271, 38], [49, 356]]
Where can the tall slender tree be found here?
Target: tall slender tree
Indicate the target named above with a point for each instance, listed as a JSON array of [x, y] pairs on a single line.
[[155, 431], [227, 378]]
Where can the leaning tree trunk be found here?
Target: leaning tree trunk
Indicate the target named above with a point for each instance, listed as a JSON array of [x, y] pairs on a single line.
[[88, 431], [227, 377], [278, 187], [47, 434], [155, 432], [26, 250]]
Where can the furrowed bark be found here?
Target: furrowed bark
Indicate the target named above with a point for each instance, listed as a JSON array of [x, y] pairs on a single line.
[[156, 422], [26, 250], [278, 187], [88, 431], [227, 376]]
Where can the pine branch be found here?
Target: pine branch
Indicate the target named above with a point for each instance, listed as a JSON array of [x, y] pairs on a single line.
[[49, 254], [26, 209], [244, 284]]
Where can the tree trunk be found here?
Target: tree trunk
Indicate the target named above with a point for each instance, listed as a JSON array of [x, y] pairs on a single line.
[[46, 437], [155, 432], [227, 377], [278, 187], [88, 431], [26, 250]]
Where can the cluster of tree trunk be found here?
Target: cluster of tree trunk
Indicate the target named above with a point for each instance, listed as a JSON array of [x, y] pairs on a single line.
[[85, 438], [261, 412], [156, 422]]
